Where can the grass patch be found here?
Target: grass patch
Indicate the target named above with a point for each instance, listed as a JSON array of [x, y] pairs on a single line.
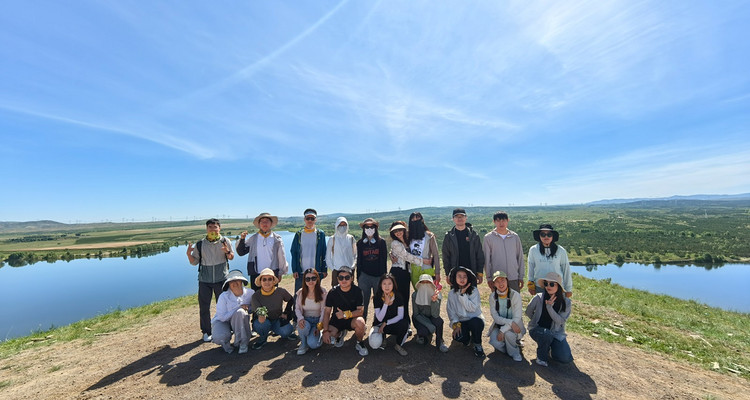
[[684, 329], [54, 368], [90, 328], [5, 384]]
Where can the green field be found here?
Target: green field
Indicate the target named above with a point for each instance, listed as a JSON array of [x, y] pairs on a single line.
[[647, 232]]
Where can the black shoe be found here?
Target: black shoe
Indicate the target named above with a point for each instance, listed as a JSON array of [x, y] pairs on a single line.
[[479, 352]]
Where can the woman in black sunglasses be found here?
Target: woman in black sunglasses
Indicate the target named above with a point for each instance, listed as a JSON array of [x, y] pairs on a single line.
[[547, 311], [547, 256], [310, 308]]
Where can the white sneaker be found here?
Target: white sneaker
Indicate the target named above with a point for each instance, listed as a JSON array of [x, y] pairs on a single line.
[[362, 349], [542, 363], [340, 339], [243, 349], [207, 337], [302, 350], [400, 350], [517, 357]]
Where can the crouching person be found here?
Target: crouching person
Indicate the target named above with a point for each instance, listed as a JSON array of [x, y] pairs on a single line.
[[267, 305], [506, 310], [310, 306], [389, 315], [426, 312], [232, 314], [465, 309], [548, 311], [343, 312]]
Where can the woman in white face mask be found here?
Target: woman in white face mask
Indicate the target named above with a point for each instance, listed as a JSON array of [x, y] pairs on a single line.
[[342, 249], [372, 260]]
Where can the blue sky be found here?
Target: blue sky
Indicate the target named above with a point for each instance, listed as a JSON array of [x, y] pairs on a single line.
[[179, 109]]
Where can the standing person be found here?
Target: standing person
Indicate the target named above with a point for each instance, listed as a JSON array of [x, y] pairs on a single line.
[[400, 268], [506, 310], [211, 254], [310, 308], [465, 309], [547, 311], [547, 256], [422, 243], [462, 247], [503, 252], [426, 312], [343, 313], [232, 313], [265, 249], [308, 249], [273, 317], [389, 315], [342, 250], [372, 260]]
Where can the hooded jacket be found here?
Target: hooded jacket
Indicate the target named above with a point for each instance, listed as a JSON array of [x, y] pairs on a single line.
[[341, 250]]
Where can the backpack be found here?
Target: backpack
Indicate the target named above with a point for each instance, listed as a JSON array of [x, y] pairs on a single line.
[[198, 247]]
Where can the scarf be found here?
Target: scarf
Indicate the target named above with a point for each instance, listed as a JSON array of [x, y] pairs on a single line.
[[424, 294]]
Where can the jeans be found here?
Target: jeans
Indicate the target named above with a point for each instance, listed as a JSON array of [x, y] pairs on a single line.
[[471, 330], [307, 335], [368, 284], [546, 341], [205, 290], [275, 325]]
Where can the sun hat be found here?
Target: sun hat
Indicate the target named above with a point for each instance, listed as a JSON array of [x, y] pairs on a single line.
[[266, 272], [427, 279], [234, 275], [469, 274], [397, 227], [499, 274], [274, 219], [369, 221], [546, 227], [550, 277]]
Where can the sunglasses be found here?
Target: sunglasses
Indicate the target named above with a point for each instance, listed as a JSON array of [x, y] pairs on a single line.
[[546, 234], [550, 284], [369, 226], [344, 277], [309, 218], [267, 279], [311, 278]]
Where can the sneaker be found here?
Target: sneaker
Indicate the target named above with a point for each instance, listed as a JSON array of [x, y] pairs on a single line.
[[443, 348], [253, 334], [292, 336], [228, 348], [362, 349], [273, 334], [409, 333], [400, 350], [541, 362], [302, 350], [243, 349], [207, 337], [479, 352], [340, 339], [517, 357], [259, 344], [420, 339]]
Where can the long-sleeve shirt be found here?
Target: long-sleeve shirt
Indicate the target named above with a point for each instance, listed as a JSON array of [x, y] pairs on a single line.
[[534, 312], [504, 316], [540, 265], [228, 304], [301, 311], [399, 250], [372, 258], [463, 307], [273, 303], [503, 254], [390, 314]]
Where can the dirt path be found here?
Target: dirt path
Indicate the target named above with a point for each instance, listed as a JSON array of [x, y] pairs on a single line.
[[165, 359]]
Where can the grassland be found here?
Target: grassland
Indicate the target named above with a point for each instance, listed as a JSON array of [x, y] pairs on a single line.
[[648, 232]]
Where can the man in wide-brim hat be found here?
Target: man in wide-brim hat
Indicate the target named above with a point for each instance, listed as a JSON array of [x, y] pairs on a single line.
[[265, 249], [547, 256]]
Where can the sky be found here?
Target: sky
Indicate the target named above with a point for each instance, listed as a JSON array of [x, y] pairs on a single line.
[[172, 110]]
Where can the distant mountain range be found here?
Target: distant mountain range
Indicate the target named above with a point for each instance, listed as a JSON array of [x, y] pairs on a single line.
[[741, 196]]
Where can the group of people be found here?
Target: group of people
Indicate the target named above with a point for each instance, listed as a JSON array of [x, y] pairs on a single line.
[[409, 294]]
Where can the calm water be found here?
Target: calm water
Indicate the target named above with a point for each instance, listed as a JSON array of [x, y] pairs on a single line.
[[722, 287], [42, 295]]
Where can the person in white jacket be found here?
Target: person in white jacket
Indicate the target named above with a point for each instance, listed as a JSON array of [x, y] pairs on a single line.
[[506, 310], [341, 250], [232, 314], [465, 309]]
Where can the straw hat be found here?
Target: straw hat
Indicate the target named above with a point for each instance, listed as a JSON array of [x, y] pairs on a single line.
[[369, 221], [234, 275], [274, 219], [266, 272]]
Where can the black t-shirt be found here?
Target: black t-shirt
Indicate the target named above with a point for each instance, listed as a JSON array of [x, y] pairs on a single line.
[[464, 258], [392, 310], [344, 301]]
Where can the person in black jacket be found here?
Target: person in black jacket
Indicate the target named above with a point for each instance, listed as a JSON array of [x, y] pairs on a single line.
[[462, 247]]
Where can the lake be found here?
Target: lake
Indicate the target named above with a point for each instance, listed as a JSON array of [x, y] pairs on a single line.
[[718, 286], [43, 295]]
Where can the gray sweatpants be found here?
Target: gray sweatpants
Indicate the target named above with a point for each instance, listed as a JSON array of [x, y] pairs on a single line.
[[239, 324], [368, 284]]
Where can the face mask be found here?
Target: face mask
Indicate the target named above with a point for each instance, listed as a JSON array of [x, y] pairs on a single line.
[[212, 236], [369, 232], [341, 229]]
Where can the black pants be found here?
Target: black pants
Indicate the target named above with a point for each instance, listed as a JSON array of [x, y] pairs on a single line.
[[423, 331], [403, 283], [399, 329], [472, 327], [204, 302]]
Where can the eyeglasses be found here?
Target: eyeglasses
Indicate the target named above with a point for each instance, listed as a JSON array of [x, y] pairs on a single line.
[[546, 234], [311, 278], [344, 277], [550, 284], [267, 279], [309, 218]]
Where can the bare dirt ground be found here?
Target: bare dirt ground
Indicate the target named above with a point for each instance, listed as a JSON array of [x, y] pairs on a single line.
[[166, 359]]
